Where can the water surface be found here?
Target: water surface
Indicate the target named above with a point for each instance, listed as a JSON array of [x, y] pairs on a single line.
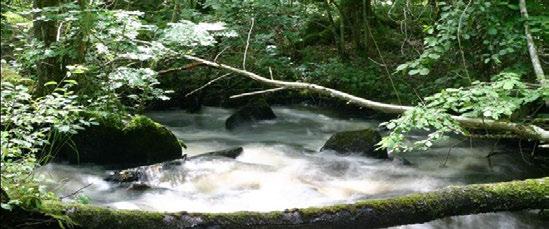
[[280, 169]]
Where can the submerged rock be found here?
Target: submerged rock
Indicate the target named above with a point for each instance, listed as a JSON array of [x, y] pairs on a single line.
[[139, 186], [249, 114], [397, 160], [358, 141], [230, 153], [139, 174], [128, 175], [113, 142]]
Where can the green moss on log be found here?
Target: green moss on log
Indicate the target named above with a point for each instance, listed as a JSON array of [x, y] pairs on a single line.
[[115, 141], [408, 209]]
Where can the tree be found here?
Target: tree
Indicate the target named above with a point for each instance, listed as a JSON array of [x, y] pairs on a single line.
[[45, 31]]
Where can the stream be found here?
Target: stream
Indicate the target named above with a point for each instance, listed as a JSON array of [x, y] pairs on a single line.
[[279, 170]]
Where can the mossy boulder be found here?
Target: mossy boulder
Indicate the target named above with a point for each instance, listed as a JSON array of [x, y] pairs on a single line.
[[122, 143], [358, 141], [252, 112]]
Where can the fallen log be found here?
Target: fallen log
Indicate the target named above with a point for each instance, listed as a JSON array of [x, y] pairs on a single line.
[[375, 213], [526, 131]]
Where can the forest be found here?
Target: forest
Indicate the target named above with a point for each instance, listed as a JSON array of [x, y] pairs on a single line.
[[274, 114]]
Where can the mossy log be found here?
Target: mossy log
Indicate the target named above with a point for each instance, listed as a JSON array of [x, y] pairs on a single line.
[[408, 209]]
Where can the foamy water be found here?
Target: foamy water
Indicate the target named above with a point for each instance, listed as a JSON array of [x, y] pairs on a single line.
[[278, 169]]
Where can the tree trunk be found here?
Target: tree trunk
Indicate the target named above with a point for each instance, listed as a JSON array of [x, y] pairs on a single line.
[[50, 68], [375, 213], [538, 70], [339, 43], [352, 11]]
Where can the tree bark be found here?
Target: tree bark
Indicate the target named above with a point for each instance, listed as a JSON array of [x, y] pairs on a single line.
[[356, 14], [339, 43], [538, 70], [526, 131], [50, 68], [375, 213]]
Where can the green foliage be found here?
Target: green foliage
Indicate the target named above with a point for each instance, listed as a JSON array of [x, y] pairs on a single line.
[[422, 118], [487, 31], [29, 127], [488, 100], [492, 100]]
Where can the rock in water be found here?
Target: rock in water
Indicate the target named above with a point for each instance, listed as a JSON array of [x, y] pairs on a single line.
[[249, 114], [230, 153], [139, 141], [139, 186], [359, 141], [397, 160], [128, 175], [141, 173]]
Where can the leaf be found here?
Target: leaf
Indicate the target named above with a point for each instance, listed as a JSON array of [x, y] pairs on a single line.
[[401, 67], [49, 83], [434, 56], [413, 72], [424, 71], [72, 82], [508, 85]]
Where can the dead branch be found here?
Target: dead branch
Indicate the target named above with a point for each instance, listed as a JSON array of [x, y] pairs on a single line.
[[257, 92], [207, 84], [526, 131], [184, 67]]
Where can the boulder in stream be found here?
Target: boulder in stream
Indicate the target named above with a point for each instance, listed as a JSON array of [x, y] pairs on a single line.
[[397, 160], [119, 143], [254, 111], [230, 153], [357, 141], [139, 174]]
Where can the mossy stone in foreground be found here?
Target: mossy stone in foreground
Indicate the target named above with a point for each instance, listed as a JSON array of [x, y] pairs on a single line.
[[113, 142], [358, 141]]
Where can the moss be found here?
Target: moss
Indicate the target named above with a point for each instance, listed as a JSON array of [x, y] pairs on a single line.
[[413, 208], [115, 142], [11, 76], [359, 141]]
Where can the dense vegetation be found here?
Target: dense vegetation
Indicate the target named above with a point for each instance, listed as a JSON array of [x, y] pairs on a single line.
[[67, 64]]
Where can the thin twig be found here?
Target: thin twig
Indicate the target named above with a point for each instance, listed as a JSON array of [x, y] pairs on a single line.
[[443, 164], [459, 40], [247, 44], [184, 67], [77, 191], [492, 150], [384, 64], [271, 73], [219, 54], [522, 153], [207, 84], [257, 92]]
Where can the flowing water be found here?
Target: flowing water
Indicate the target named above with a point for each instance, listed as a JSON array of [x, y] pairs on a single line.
[[279, 169]]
